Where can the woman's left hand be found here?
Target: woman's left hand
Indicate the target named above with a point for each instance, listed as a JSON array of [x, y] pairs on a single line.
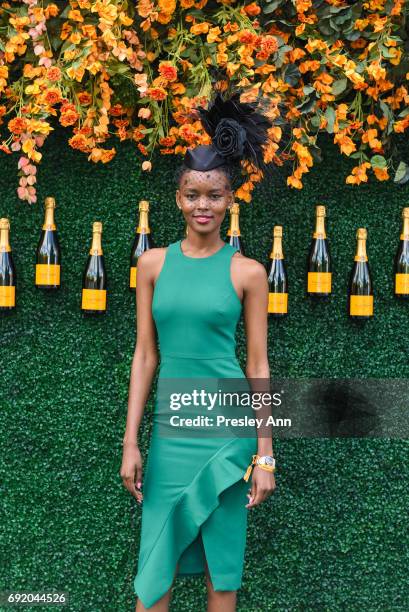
[[262, 486]]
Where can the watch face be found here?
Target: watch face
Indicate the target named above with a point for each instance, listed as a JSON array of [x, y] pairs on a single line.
[[269, 461]]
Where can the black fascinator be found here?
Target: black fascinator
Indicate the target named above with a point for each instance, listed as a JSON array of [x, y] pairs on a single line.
[[238, 131]]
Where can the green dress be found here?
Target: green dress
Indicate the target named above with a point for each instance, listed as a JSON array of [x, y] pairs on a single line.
[[193, 487]]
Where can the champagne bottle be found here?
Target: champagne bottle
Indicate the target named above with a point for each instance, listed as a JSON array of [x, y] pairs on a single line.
[[277, 277], [94, 280], [319, 269], [402, 260], [234, 230], [141, 243], [360, 282], [7, 269], [48, 254]]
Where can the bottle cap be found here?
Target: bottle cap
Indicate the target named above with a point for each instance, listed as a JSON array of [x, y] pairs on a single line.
[[361, 233], [97, 227], [235, 208], [320, 211], [49, 202], [278, 231], [405, 212], [144, 205], [4, 223]]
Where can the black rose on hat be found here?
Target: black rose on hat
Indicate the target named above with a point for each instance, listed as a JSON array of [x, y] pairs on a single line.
[[229, 138]]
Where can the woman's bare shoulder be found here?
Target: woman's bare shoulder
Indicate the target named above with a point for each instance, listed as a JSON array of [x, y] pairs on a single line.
[[151, 260], [152, 256], [249, 267]]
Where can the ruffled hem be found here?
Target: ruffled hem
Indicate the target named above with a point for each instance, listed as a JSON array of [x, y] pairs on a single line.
[[182, 525]]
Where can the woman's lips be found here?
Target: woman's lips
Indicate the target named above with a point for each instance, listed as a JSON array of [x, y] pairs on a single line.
[[202, 219]]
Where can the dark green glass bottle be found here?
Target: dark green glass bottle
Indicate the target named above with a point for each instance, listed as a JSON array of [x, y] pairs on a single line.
[[360, 288], [402, 260], [319, 265], [48, 253], [7, 269], [142, 242], [94, 280], [277, 277]]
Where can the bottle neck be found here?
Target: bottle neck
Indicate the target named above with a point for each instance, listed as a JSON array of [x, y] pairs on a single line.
[[319, 227], [4, 241], [405, 229], [96, 248], [277, 250], [143, 225], [49, 219], [234, 229], [361, 250]]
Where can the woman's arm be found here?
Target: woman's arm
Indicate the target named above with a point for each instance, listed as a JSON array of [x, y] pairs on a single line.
[[144, 363], [255, 303], [257, 367]]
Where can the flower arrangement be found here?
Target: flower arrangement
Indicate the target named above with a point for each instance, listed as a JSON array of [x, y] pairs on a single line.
[[139, 71]]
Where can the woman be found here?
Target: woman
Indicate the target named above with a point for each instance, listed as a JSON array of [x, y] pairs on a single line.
[[194, 510]]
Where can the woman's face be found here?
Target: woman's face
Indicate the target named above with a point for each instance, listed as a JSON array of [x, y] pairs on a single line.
[[203, 197]]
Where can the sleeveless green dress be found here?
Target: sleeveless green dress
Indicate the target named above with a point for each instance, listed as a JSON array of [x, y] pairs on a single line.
[[193, 487]]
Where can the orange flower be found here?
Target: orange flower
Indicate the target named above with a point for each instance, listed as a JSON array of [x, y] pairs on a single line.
[[358, 174], [75, 15], [167, 6], [68, 117], [79, 142], [52, 96], [292, 181], [345, 143], [84, 98], [252, 9], [54, 74], [213, 35], [381, 173], [200, 28], [168, 71], [102, 155], [142, 148], [246, 37], [370, 137], [156, 93], [17, 125]]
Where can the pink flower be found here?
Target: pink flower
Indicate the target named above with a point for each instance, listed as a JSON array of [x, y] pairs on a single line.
[[22, 162], [39, 49], [15, 146], [45, 61], [23, 181], [22, 193], [31, 179]]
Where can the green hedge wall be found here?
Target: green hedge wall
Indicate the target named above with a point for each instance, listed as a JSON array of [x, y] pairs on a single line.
[[334, 534]]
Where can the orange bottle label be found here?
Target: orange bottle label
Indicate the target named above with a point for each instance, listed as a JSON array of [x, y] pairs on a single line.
[[132, 277], [402, 283], [277, 302], [47, 274], [319, 282], [94, 299], [7, 295], [361, 305]]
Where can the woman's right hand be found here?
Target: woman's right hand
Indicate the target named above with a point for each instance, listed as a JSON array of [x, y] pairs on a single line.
[[131, 470]]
